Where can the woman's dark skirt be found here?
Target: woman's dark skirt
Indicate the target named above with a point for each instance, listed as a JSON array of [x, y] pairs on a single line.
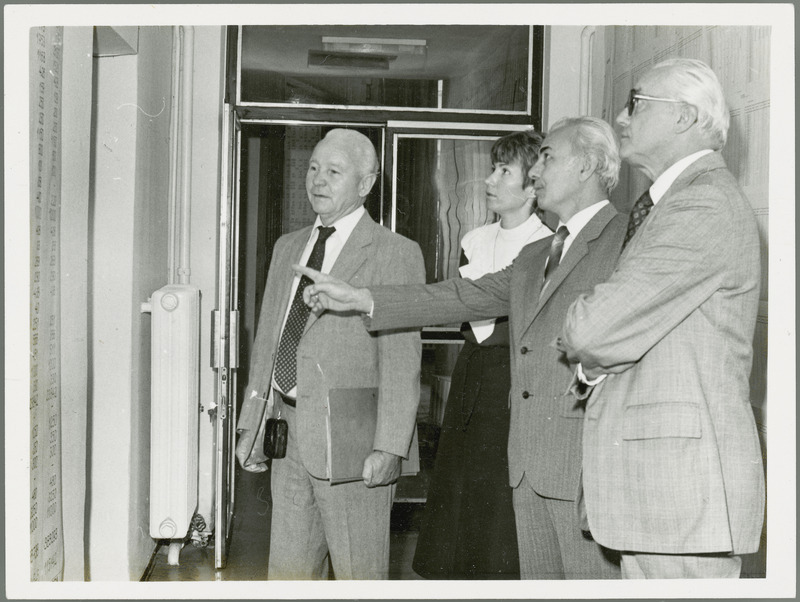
[[468, 529]]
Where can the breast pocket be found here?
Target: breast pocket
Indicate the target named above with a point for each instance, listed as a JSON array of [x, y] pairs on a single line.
[[662, 420]]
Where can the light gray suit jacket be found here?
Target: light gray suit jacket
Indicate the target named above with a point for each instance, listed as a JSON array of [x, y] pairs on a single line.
[[671, 457], [546, 423], [335, 350]]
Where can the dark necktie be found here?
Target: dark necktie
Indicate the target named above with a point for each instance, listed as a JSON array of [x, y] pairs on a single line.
[[556, 246], [286, 362], [639, 212]]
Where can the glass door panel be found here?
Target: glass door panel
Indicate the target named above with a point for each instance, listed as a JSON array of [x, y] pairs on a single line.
[[438, 195]]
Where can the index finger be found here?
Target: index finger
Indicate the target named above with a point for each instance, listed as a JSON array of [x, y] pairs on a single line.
[[304, 270]]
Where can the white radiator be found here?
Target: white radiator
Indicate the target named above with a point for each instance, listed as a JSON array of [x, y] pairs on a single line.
[[175, 366]]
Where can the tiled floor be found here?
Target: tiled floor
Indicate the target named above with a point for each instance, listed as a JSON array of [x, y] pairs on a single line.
[[247, 559]]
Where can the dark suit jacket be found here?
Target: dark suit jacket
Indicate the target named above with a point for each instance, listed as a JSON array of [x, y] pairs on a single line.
[[546, 423], [672, 462], [335, 350]]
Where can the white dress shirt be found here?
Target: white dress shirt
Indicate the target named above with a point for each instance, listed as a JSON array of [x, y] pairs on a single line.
[[333, 247], [577, 222], [666, 179]]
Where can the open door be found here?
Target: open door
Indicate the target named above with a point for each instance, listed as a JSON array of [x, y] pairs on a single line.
[[225, 321]]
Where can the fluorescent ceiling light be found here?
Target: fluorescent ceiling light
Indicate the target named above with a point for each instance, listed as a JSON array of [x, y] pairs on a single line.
[[374, 45]]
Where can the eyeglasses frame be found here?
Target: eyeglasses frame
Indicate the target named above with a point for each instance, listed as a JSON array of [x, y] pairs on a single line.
[[633, 96]]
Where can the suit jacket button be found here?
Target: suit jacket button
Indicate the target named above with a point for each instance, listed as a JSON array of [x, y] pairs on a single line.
[[525, 395], [524, 350]]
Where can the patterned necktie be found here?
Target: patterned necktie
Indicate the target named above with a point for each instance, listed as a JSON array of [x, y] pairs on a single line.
[[639, 212], [556, 245], [286, 362]]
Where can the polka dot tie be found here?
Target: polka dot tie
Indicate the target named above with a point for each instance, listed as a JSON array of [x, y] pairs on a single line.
[[286, 362], [638, 214]]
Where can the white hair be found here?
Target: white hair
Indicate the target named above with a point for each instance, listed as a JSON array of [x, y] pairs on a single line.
[[359, 147], [595, 137], [694, 83]]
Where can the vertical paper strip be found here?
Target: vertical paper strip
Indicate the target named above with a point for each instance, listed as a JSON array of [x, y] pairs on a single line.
[[46, 542]]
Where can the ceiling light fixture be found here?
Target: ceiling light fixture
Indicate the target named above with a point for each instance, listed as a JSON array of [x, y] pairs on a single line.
[[349, 60], [374, 45]]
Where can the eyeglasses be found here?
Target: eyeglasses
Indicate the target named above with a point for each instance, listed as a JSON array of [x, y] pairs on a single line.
[[634, 96]]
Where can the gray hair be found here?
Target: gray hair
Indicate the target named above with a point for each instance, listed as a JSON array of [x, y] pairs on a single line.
[[360, 148], [596, 138], [694, 83]]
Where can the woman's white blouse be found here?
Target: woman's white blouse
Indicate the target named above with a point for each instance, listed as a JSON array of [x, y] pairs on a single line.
[[491, 248]]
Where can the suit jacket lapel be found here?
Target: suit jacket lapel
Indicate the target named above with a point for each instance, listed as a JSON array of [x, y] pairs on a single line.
[[532, 279], [354, 253], [706, 163], [356, 250], [294, 251], [577, 251]]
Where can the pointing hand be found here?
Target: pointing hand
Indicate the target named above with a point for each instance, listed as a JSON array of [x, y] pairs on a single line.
[[331, 293]]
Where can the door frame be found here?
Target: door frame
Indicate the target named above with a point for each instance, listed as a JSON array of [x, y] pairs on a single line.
[[392, 131], [225, 355]]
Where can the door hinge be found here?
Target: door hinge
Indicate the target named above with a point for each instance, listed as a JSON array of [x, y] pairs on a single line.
[[234, 339]]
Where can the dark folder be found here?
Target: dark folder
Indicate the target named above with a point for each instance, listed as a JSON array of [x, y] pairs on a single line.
[[352, 420]]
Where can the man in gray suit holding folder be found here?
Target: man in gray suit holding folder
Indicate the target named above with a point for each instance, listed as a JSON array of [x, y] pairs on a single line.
[[672, 467], [577, 167], [301, 360]]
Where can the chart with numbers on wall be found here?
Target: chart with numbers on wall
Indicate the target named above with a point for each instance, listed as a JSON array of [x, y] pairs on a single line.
[[46, 542]]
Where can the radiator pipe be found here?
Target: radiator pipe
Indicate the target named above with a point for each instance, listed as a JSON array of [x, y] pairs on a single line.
[[587, 54], [187, 81], [172, 219]]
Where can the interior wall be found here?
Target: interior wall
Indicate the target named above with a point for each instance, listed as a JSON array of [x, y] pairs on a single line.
[[128, 261], [110, 343], [75, 136], [562, 78]]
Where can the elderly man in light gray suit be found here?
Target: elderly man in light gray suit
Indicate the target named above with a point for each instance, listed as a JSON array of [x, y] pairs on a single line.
[[298, 359], [672, 466], [577, 167]]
